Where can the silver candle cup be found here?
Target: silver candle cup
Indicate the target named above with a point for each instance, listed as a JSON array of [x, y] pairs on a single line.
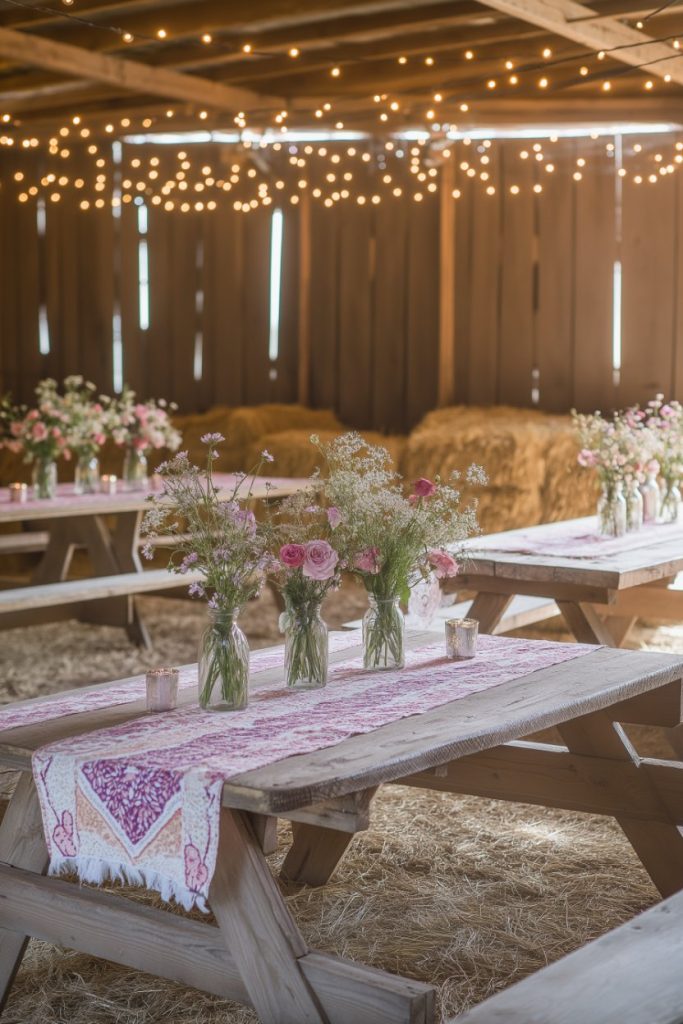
[[18, 493], [461, 638], [162, 689], [108, 483]]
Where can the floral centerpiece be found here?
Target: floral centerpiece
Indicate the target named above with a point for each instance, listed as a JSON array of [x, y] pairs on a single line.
[[602, 448], [390, 539], [87, 426], [41, 435], [218, 539], [141, 427], [304, 566], [665, 421]]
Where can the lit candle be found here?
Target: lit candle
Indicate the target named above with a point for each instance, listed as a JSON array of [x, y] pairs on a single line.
[[461, 638], [108, 483], [162, 689], [18, 492]]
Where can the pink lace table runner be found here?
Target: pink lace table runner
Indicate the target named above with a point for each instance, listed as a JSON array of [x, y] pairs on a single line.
[[141, 801], [574, 539], [100, 503], [127, 691]]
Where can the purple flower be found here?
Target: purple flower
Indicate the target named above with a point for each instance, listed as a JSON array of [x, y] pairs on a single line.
[[334, 517], [266, 456], [147, 551], [212, 438], [187, 561], [196, 590], [245, 518]]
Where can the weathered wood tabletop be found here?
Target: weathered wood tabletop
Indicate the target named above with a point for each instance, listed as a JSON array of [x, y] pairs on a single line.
[[599, 593], [107, 527], [472, 745]]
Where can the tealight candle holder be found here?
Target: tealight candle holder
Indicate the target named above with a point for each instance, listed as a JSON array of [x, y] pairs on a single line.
[[18, 493], [162, 689], [461, 638], [108, 483]]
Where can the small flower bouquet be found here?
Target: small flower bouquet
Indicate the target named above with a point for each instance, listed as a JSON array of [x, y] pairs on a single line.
[[141, 427], [41, 434], [665, 422], [304, 566], [218, 538], [86, 431], [391, 540]]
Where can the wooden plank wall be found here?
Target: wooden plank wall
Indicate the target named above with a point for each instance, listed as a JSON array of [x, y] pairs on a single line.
[[533, 292]]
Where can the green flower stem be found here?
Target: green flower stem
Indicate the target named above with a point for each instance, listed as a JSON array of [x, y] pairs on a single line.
[[224, 666], [306, 647], [383, 632]]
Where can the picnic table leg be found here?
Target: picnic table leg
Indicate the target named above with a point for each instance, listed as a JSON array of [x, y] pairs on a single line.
[[586, 624], [658, 844], [54, 565], [488, 609], [22, 844], [314, 853], [258, 930]]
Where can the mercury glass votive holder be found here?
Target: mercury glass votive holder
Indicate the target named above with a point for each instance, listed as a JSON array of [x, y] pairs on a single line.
[[18, 493], [108, 483], [461, 638], [162, 689]]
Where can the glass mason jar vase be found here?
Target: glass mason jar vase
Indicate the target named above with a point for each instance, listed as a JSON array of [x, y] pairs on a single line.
[[223, 663], [383, 635], [634, 507], [44, 476], [87, 475], [135, 469], [612, 511], [306, 646], [649, 491], [670, 502]]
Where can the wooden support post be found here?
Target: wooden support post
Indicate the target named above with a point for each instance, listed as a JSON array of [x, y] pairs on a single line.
[[489, 609], [304, 346], [586, 624], [314, 854], [446, 379], [22, 843], [265, 830]]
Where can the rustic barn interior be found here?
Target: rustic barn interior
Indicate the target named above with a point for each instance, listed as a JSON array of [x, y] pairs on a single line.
[[445, 224]]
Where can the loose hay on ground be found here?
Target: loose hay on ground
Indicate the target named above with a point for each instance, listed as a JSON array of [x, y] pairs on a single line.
[[466, 894]]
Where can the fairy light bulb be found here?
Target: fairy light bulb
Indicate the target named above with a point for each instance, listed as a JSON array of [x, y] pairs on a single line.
[[514, 190], [649, 84], [335, 72], [469, 55], [601, 54], [293, 51], [547, 53], [543, 83], [207, 38], [247, 48], [577, 176], [606, 86], [491, 84], [464, 107], [583, 70], [513, 79], [162, 33], [403, 60], [437, 97], [429, 61]]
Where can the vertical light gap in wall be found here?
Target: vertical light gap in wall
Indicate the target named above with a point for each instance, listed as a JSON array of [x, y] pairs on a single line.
[[535, 296], [143, 269], [43, 322], [276, 236], [116, 332], [616, 273], [198, 364]]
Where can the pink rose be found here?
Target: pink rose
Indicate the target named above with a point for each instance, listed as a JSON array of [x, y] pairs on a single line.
[[56, 432], [39, 431], [99, 439], [424, 488], [16, 428], [334, 517], [443, 563], [293, 555], [368, 560], [321, 560], [586, 457]]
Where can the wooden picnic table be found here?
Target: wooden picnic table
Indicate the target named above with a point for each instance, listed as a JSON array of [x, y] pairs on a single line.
[[600, 585], [107, 527], [475, 745]]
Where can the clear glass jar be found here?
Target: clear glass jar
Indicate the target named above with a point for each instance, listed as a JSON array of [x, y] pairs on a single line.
[[87, 475], [634, 507], [670, 502], [223, 663], [612, 511], [383, 635], [306, 646], [651, 496], [44, 475], [135, 469]]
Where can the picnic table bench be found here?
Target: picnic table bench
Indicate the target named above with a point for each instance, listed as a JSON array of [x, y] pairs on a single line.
[[107, 527], [471, 744], [631, 975]]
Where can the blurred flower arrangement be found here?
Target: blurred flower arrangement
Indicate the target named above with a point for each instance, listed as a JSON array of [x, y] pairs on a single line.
[[390, 540], [41, 435], [219, 539], [141, 427], [629, 451]]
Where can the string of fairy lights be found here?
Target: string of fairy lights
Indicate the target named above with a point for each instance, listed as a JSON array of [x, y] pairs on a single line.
[[90, 157]]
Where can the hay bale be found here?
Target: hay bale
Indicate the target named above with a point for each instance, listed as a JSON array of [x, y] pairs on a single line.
[[193, 427], [568, 490], [296, 456]]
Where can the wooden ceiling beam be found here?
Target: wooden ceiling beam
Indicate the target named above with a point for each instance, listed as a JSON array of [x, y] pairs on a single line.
[[573, 21], [127, 75]]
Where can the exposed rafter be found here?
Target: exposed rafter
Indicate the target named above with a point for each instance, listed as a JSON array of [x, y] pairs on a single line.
[[575, 21], [127, 75]]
